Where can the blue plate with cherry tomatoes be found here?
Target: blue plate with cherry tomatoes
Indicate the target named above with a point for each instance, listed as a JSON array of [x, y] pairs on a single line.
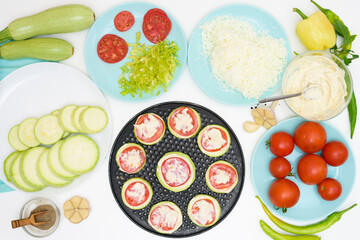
[[310, 207]]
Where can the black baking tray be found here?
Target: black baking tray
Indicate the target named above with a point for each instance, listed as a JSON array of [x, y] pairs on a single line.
[[170, 143]]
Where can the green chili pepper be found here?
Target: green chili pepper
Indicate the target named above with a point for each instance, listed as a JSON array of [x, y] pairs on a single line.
[[307, 229], [344, 52], [277, 236], [329, 14], [352, 109], [342, 30]]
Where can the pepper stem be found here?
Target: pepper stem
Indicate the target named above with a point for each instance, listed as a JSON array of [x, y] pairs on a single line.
[[5, 35], [318, 6], [300, 13]]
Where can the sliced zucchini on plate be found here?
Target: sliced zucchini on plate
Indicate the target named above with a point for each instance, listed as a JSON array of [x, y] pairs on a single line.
[[7, 164], [48, 130], [79, 154], [65, 118], [54, 162], [28, 167], [76, 117], [14, 140], [56, 113], [26, 132], [16, 177], [93, 120], [47, 175]]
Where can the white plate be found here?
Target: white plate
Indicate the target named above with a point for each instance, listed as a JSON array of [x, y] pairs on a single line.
[[38, 89]]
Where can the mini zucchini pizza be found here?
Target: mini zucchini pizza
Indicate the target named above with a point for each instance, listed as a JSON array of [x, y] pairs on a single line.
[[214, 140], [165, 217], [175, 171], [149, 128], [131, 158], [184, 122], [204, 210], [136, 193], [221, 177]]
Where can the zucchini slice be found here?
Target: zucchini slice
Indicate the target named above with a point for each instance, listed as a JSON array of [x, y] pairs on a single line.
[[26, 132], [47, 175], [93, 120], [79, 154], [7, 164], [54, 162], [76, 117], [28, 167], [56, 113], [14, 140], [65, 118], [48, 130], [16, 177]]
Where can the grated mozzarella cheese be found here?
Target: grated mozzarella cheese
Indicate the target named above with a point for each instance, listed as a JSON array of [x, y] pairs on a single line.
[[204, 212], [183, 121], [149, 127], [221, 177], [213, 139], [137, 192], [131, 159], [242, 59]]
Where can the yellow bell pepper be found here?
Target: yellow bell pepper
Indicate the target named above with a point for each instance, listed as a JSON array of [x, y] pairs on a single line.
[[315, 32]]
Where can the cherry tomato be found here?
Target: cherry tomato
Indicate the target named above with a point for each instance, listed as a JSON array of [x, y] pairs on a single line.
[[156, 25], [279, 167], [281, 144], [112, 48], [335, 153], [312, 169], [124, 21], [310, 137], [329, 189], [284, 193]]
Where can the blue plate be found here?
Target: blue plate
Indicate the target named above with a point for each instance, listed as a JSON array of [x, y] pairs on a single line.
[[106, 75], [310, 207], [198, 63]]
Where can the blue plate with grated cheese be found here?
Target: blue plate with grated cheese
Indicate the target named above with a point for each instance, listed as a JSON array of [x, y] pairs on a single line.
[[265, 27]]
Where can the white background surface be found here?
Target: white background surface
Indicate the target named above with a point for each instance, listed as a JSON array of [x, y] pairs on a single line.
[[106, 220]]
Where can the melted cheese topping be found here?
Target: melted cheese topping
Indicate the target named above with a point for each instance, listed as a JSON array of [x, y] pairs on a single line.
[[183, 121], [241, 58], [175, 172], [131, 159], [203, 212], [137, 192], [213, 139], [221, 177], [149, 127], [164, 217]]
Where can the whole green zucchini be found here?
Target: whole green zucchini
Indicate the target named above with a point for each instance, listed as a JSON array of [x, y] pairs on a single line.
[[50, 49], [61, 19]]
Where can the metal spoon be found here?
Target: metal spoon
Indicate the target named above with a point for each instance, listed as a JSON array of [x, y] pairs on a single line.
[[311, 92]]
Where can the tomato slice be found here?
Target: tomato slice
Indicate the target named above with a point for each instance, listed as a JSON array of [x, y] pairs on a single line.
[[207, 141], [132, 159], [112, 48], [204, 211], [148, 132], [136, 193], [156, 25], [176, 171], [163, 217], [183, 130], [222, 176], [124, 21]]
